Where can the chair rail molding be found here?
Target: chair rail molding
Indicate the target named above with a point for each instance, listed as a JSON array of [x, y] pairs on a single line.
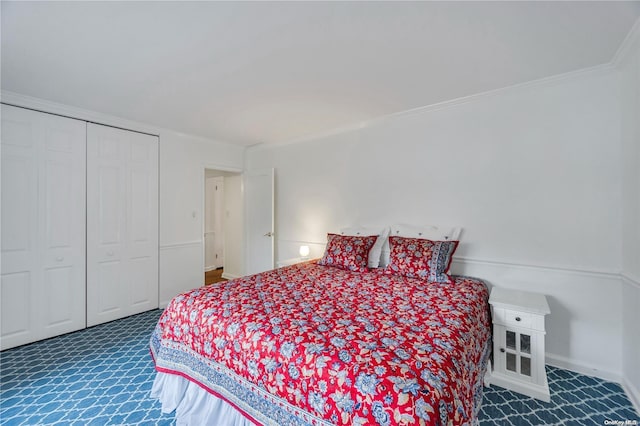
[[630, 280], [464, 260], [180, 245]]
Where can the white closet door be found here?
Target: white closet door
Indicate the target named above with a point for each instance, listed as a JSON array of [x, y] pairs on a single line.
[[43, 226], [122, 223]]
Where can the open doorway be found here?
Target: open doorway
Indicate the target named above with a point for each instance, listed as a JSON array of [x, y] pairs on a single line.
[[223, 225]]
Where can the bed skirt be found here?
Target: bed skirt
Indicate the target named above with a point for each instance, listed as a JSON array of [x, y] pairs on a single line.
[[194, 405]]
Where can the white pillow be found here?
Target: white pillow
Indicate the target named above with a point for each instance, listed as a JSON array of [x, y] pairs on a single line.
[[428, 232], [376, 252]]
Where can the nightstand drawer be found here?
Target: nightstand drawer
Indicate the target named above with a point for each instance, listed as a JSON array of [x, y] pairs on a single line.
[[515, 318]]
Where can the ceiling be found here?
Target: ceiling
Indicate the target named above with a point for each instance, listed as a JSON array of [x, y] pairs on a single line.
[[269, 72]]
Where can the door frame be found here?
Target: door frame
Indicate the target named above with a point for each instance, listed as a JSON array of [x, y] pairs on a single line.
[[203, 189]]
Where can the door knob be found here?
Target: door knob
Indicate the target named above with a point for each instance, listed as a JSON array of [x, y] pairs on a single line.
[[269, 234], [59, 259]]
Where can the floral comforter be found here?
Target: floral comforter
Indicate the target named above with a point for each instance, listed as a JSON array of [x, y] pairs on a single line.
[[311, 344]]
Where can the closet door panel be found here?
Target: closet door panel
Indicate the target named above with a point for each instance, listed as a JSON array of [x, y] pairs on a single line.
[[106, 227], [20, 253], [58, 284], [19, 210], [141, 283], [109, 290], [122, 204], [143, 236], [43, 231], [62, 184], [16, 313], [109, 221]]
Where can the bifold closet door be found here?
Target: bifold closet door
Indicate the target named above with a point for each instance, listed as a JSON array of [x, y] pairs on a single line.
[[42, 290], [122, 223]]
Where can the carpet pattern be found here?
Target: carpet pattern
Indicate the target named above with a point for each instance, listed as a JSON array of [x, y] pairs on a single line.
[[103, 376], [98, 376]]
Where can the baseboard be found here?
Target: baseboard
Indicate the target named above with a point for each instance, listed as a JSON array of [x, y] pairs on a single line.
[[633, 393], [228, 276], [582, 368], [210, 268]]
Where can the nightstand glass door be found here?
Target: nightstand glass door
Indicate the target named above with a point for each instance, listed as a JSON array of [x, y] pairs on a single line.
[[518, 353]]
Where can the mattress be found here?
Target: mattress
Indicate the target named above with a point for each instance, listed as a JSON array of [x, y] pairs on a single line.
[[317, 345]]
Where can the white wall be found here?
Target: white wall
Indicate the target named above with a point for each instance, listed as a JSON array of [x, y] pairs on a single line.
[[532, 175], [630, 101], [182, 162], [234, 227]]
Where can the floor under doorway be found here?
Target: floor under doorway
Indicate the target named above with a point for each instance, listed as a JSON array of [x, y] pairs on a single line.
[[212, 277]]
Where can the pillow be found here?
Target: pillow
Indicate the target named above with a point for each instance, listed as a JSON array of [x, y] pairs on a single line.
[[348, 252], [420, 258], [375, 254], [433, 233]]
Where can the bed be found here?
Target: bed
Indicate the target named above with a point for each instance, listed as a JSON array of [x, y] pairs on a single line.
[[315, 344]]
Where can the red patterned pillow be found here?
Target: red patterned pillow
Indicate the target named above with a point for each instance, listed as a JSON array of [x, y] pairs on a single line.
[[348, 252], [419, 258]]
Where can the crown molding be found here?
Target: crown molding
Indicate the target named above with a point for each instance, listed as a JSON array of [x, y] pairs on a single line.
[[597, 70], [626, 49], [43, 105], [50, 107]]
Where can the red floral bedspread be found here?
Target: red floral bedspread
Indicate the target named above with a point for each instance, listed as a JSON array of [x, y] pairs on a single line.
[[311, 344]]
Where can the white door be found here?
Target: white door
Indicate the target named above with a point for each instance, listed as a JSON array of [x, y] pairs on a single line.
[[259, 200], [43, 226], [122, 223], [218, 222], [209, 233], [213, 223]]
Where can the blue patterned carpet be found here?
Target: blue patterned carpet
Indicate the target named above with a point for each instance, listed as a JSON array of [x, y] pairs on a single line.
[[103, 375]]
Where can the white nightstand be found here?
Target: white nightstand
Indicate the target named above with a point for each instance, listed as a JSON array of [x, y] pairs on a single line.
[[518, 342], [289, 262]]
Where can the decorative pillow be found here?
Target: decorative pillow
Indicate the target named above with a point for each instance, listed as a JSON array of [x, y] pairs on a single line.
[[375, 254], [419, 258], [348, 252]]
